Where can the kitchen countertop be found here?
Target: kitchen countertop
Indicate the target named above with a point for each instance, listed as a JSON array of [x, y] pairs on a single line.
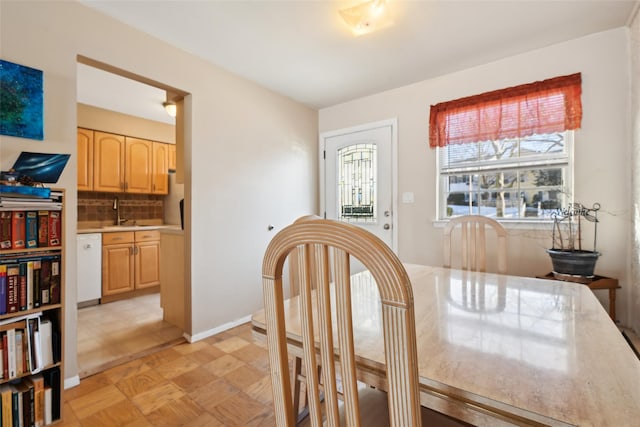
[[117, 228]]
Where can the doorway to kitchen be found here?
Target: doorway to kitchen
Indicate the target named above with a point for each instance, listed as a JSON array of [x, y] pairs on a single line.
[[128, 328]]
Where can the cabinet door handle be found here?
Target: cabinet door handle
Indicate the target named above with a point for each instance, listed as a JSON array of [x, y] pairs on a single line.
[[130, 250], [135, 250]]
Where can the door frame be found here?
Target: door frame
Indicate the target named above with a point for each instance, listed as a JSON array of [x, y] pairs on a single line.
[[393, 123]]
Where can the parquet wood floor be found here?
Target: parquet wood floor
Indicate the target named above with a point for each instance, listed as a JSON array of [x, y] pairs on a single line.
[[220, 381]]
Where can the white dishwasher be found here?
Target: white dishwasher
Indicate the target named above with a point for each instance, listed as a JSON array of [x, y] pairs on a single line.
[[89, 268]]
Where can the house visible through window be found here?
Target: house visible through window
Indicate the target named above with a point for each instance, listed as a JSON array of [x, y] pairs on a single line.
[[507, 154]]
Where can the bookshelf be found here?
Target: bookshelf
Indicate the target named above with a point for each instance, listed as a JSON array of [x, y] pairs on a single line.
[[31, 306]]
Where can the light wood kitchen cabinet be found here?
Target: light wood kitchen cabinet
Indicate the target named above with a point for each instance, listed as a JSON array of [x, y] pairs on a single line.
[[172, 157], [85, 159], [160, 175], [147, 258], [138, 165], [108, 162], [118, 263], [130, 261], [116, 164]]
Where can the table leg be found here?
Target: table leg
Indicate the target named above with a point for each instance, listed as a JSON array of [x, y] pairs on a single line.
[[612, 304]]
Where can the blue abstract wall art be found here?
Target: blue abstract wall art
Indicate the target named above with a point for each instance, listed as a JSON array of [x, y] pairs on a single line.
[[21, 101]]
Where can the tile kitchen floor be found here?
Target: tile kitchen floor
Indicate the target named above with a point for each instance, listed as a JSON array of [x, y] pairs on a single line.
[[121, 331]]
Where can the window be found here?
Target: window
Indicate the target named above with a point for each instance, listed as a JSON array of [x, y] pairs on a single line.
[[507, 154], [518, 178], [357, 171]]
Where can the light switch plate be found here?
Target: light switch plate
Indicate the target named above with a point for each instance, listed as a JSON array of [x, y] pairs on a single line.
[[407, 197]]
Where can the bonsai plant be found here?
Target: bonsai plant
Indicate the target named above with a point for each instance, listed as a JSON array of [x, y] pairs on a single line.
[[568, 256]]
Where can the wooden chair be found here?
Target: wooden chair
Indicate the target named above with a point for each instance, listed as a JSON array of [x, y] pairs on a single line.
[[473, 242], [324, 247]]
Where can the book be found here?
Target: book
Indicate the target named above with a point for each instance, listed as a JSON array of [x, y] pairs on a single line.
[[34, 353], [46, 337], [22, 287], [5, 357], [55, 228], [37, 292], [13, 287], [45, 280], [29, 285], [54, 281], [5, 229], [48, 403], [1, 358], [26, 391], [15, 405], [43, 228], [31, 229], [19, 351], [7, 412], [37, 351], [37, 381], [24, 192], [3, 289], [52, 379], [17, 230], [11, 353]]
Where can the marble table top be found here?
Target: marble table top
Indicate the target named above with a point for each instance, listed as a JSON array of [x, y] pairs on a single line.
[[525, 351]]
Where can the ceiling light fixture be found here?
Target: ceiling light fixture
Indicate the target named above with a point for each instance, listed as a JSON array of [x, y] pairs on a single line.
[[170, 108], [366, 17]]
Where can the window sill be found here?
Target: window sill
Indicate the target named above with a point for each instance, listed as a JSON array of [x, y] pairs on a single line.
[[511, 224]]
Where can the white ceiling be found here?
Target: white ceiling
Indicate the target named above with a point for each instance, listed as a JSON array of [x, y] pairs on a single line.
[[303, 50]]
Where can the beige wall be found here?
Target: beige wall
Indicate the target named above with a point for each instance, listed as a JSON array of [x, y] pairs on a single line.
[[250, 154], [634, 301], [602, 165]]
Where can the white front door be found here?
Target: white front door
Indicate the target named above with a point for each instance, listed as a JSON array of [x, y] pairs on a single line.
[[359, 177]]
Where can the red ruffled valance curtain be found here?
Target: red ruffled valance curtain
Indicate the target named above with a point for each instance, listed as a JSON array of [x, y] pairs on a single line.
[[547, 106]]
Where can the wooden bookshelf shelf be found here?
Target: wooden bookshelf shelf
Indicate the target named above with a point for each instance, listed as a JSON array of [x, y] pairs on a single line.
[[32, 294]]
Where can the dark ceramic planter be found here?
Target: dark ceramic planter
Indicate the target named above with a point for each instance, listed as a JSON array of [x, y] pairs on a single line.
[[577, 263]]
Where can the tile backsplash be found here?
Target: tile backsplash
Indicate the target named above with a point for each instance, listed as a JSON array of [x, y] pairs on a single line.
[[94, 206]]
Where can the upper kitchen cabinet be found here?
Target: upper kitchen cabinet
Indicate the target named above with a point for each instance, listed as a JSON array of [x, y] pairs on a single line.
[[160, 176], [121, 164], [108, 162], [172, 157], [138, 165], [85, 159]]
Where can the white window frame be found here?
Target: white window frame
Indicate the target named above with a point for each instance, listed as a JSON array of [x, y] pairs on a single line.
[[553, 160]]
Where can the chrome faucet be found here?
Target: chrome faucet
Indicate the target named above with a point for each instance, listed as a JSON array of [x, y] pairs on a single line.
[[116, 207]]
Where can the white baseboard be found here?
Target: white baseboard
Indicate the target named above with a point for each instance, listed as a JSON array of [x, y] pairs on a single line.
[[217, 330], [71, 382]]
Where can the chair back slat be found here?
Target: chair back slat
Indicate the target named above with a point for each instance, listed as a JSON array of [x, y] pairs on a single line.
[[320, 267], [308, 334], [324, 249], [345, 336]]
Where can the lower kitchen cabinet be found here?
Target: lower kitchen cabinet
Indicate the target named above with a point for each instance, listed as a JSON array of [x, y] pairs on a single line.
[[147, 258], [130, 261]]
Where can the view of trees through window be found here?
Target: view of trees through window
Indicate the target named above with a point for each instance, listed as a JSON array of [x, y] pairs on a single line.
[[521, 178]]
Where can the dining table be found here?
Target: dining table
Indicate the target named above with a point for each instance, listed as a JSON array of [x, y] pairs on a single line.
[[499, 350]]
